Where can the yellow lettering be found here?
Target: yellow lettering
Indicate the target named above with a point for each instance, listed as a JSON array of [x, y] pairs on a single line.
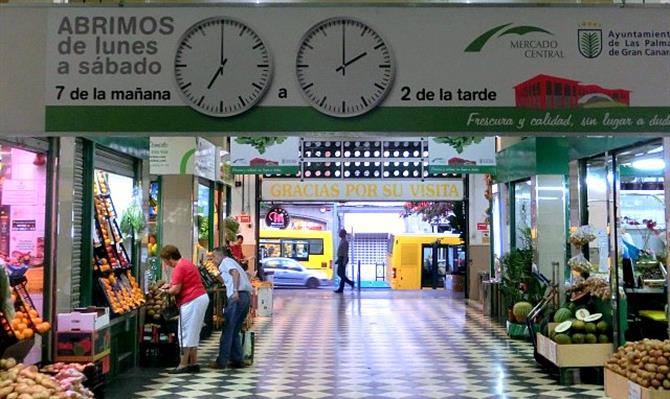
[[275, 190], [454, 191], [286, 190], [387, 190], [335, 190], [372, 190]]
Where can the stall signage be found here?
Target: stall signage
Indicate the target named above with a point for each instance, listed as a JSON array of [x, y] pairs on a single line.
[[277, 218], [264, 155], [462, 154], [206, 161], [558, 70], [244, 218], [362, 190], [482, 227], [171, 155]]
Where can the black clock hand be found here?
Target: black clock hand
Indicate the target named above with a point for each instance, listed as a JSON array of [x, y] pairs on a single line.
[[344, 47], [216, 75], [221, 59], [351, 61]]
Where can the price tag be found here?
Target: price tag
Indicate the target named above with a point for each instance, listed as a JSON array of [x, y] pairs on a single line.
[[634, 390]]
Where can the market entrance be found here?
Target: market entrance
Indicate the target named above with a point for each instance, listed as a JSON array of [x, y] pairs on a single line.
[[390, 245], [395, 205]]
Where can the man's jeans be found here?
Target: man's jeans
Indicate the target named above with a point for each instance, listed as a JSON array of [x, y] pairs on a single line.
[[230, 344]]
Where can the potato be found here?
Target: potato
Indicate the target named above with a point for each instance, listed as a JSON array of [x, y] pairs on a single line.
[[662, 360], [651, 367], [25, 396], [13, 395], [655, 383], [5, 391]]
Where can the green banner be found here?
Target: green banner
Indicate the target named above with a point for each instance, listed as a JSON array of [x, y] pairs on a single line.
[[266, 170], [481, 169], [459, 120]]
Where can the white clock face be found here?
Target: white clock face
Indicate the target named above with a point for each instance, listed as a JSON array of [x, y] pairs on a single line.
[[344, 67], [222, 67]]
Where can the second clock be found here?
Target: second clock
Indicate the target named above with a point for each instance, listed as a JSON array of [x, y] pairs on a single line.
[[344, 67]]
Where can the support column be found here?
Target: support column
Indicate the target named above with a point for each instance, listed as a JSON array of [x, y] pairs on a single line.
[[177, 213], [479, 247], [64, 244], [550, 227]]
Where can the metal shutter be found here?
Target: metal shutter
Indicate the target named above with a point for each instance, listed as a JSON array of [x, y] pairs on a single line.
[[77, 220], [114, 162]]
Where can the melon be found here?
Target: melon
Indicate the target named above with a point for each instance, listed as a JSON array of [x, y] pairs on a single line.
[[602, 326], [578, 325], [578, 338], [603, 339], [562, 314], [582, 314], [563, 339], [590, 328], [591, 339], [563, 327], [521, 311], [593, 317]]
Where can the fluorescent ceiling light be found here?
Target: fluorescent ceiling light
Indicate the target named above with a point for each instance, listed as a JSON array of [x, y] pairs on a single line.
[[655, 150], [649, 164]]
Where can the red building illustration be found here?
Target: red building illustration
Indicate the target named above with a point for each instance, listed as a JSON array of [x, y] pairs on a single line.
[[548, 92]]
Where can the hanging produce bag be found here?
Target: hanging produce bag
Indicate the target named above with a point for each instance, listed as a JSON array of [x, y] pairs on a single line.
[[247, 347]]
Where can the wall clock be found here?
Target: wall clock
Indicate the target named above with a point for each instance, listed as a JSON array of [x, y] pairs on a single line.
[[222, 67], [344, 67]]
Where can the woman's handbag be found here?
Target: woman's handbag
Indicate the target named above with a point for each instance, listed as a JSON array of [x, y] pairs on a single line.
[[170, 310]]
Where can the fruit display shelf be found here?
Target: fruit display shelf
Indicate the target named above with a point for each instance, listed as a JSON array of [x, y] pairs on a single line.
[[111, 263]]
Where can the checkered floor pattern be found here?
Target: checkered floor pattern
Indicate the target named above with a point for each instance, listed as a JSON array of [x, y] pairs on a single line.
[[372, 344]]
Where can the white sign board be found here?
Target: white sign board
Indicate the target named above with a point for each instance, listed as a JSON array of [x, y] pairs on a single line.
[[171, 155], [361, 190], [469, 69], [264, 155], [206, 161], [462, 154]]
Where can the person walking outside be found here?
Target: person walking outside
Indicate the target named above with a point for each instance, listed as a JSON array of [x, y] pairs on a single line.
[[238, 291], [192, 300], [342, 260]]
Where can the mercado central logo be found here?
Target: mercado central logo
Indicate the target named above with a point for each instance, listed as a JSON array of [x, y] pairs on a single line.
[[535, 46]]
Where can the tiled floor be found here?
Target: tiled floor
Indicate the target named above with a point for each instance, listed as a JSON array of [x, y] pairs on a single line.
[[372, 344]]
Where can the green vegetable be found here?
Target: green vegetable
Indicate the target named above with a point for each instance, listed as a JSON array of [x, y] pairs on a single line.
[[132, 221], [230, 227], [458, 143], [260, 143]]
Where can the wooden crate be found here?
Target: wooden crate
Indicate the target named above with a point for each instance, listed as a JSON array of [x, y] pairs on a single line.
[[620, 387], [573, 355]]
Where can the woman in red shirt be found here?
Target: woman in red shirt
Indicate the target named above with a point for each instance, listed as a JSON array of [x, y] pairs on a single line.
[[192, 300]]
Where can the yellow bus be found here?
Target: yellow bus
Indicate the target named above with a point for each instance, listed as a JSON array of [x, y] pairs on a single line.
[[312, 248], [413, 263]]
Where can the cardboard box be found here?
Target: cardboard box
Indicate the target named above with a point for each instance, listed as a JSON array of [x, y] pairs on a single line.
[[84, 319], [264, 301], [82, 346], [573, 355], [620, 387]]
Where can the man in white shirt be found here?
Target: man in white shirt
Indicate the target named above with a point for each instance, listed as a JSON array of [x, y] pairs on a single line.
[[238, 291]]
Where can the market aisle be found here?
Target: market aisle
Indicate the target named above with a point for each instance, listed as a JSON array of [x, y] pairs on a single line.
[[376, 344]]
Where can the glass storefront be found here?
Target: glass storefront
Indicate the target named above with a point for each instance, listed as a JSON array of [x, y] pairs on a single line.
[[627, 186], [23, 182], [522, 211]]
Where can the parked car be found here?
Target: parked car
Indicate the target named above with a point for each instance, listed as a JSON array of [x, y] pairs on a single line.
[[289, 272]]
